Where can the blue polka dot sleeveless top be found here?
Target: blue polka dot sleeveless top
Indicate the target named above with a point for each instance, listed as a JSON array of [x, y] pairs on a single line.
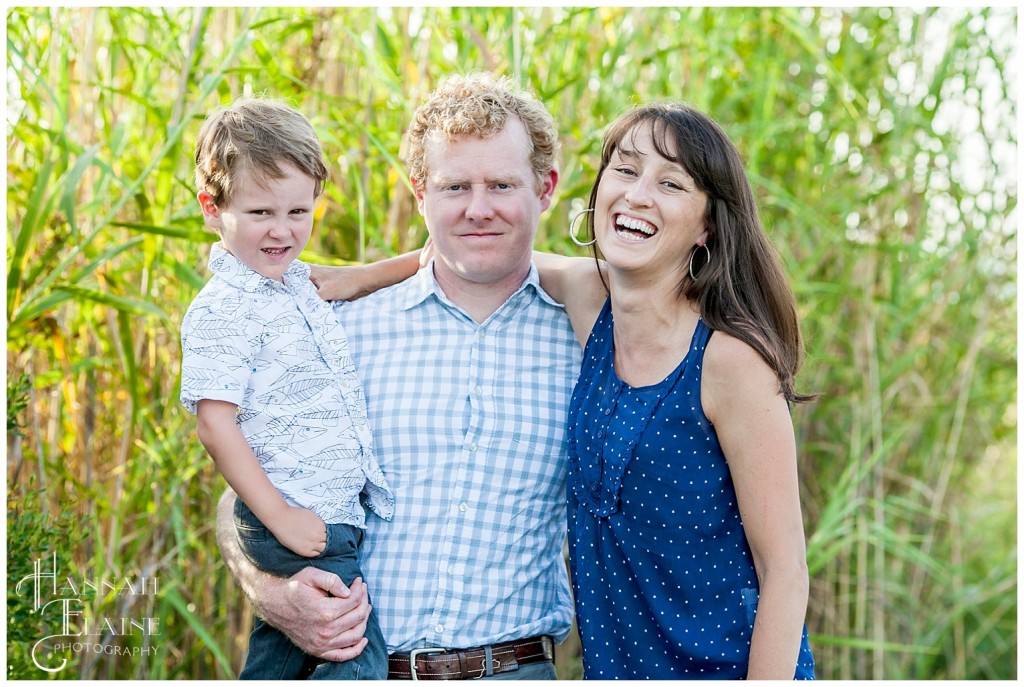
[[663, 578]]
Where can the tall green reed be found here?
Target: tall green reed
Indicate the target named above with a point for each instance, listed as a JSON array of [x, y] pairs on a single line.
[[900, 264]]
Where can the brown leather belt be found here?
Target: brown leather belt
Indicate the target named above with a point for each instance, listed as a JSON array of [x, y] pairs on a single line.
[[467, 664]]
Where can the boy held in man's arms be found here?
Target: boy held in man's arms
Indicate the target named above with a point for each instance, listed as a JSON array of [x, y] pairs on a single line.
[[266, 370]]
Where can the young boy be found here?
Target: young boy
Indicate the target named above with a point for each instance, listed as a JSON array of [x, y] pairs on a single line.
[[266, 370]]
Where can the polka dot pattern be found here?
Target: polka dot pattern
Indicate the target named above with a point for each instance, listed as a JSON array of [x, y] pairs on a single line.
[[662, 575]]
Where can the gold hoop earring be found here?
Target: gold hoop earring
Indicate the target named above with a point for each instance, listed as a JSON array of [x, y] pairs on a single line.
[[707, 259], [572, 228]]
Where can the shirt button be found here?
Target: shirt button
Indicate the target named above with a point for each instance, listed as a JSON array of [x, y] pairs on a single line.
[[463, 507], [607, 411], [479, 390], [439, 629], [473, 447], [451, 569]]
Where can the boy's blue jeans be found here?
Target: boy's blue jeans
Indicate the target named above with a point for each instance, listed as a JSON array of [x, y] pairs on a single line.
[[272, 656]]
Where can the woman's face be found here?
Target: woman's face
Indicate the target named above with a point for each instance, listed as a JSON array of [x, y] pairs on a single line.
[[649, 212]]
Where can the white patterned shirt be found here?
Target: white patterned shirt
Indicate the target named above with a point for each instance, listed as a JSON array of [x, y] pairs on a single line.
[[469, 423], [278, 352]]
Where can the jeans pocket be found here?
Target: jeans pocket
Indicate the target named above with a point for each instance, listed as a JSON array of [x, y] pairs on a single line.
[[247, 525], [328, 541]]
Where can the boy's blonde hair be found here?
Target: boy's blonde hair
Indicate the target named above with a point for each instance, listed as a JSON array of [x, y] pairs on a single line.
[[255, 137], [480, 104]]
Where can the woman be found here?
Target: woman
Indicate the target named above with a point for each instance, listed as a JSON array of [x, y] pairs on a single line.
[[685, 536]]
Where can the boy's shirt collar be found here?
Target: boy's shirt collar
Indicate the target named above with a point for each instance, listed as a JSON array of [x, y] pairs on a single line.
[[234, 272]]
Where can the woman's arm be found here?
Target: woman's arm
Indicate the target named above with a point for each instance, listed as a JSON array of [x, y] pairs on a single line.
[[576, 284], [741, 396], [318, 613], [349, 282]]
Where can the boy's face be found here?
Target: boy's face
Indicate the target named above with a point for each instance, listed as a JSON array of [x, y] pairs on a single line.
[[265, 228]]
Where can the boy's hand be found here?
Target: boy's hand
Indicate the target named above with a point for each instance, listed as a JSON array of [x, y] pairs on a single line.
[[301, 530], [336, 283]]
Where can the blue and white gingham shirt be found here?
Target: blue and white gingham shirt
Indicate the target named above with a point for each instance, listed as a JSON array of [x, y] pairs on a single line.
[[469, 426]]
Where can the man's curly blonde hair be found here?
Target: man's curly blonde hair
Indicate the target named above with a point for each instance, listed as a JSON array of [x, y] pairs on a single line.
[[480, 104]]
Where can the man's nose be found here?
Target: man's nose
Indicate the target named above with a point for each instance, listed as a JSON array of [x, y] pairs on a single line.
[[480, 206]]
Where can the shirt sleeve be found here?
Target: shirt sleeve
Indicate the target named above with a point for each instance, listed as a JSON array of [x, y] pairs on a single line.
[[217, 351]]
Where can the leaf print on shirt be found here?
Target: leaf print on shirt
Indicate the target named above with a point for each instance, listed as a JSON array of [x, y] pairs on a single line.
[[339, 486], [216, 352], [295, 393], [205, 379], [284, 431], [320, 417], [326, 460], [213, 328], [300, 350], [286, 321], [303, 369], [284, 475]]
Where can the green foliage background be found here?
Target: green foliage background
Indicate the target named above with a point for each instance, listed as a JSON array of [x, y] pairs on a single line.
[[881, 142]]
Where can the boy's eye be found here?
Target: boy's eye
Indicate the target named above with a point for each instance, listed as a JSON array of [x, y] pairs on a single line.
[[625, 170]]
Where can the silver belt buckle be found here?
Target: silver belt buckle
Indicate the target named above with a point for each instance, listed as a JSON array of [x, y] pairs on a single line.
[[416, 652]]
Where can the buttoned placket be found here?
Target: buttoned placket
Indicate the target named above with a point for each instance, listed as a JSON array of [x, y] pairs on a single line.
[[481, 367], [447, 602]]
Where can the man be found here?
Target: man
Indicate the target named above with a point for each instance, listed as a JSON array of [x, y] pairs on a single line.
[[468, 367]]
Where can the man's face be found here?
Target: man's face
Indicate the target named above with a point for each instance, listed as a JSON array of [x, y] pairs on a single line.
[[481, 203]]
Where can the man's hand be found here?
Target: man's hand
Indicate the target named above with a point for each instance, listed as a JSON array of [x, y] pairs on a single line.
[[319, 614], [301, 530], [313, 608]]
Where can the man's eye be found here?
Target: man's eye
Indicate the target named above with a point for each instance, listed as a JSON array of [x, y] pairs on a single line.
[[625, 170]]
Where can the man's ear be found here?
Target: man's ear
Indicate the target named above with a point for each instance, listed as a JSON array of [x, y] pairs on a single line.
[[211, 214], [547, 190], [417, 191]]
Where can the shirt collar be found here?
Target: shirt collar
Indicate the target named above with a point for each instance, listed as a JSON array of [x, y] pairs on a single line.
[[234, 272], [424, 285]]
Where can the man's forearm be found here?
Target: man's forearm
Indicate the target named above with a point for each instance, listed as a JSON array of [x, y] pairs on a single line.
[[251, 579], [319, 613]]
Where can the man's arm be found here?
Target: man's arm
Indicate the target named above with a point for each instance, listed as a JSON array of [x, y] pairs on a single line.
[[318, 613]]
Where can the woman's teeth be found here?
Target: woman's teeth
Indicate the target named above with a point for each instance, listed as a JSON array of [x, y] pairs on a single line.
[[634, 228]]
